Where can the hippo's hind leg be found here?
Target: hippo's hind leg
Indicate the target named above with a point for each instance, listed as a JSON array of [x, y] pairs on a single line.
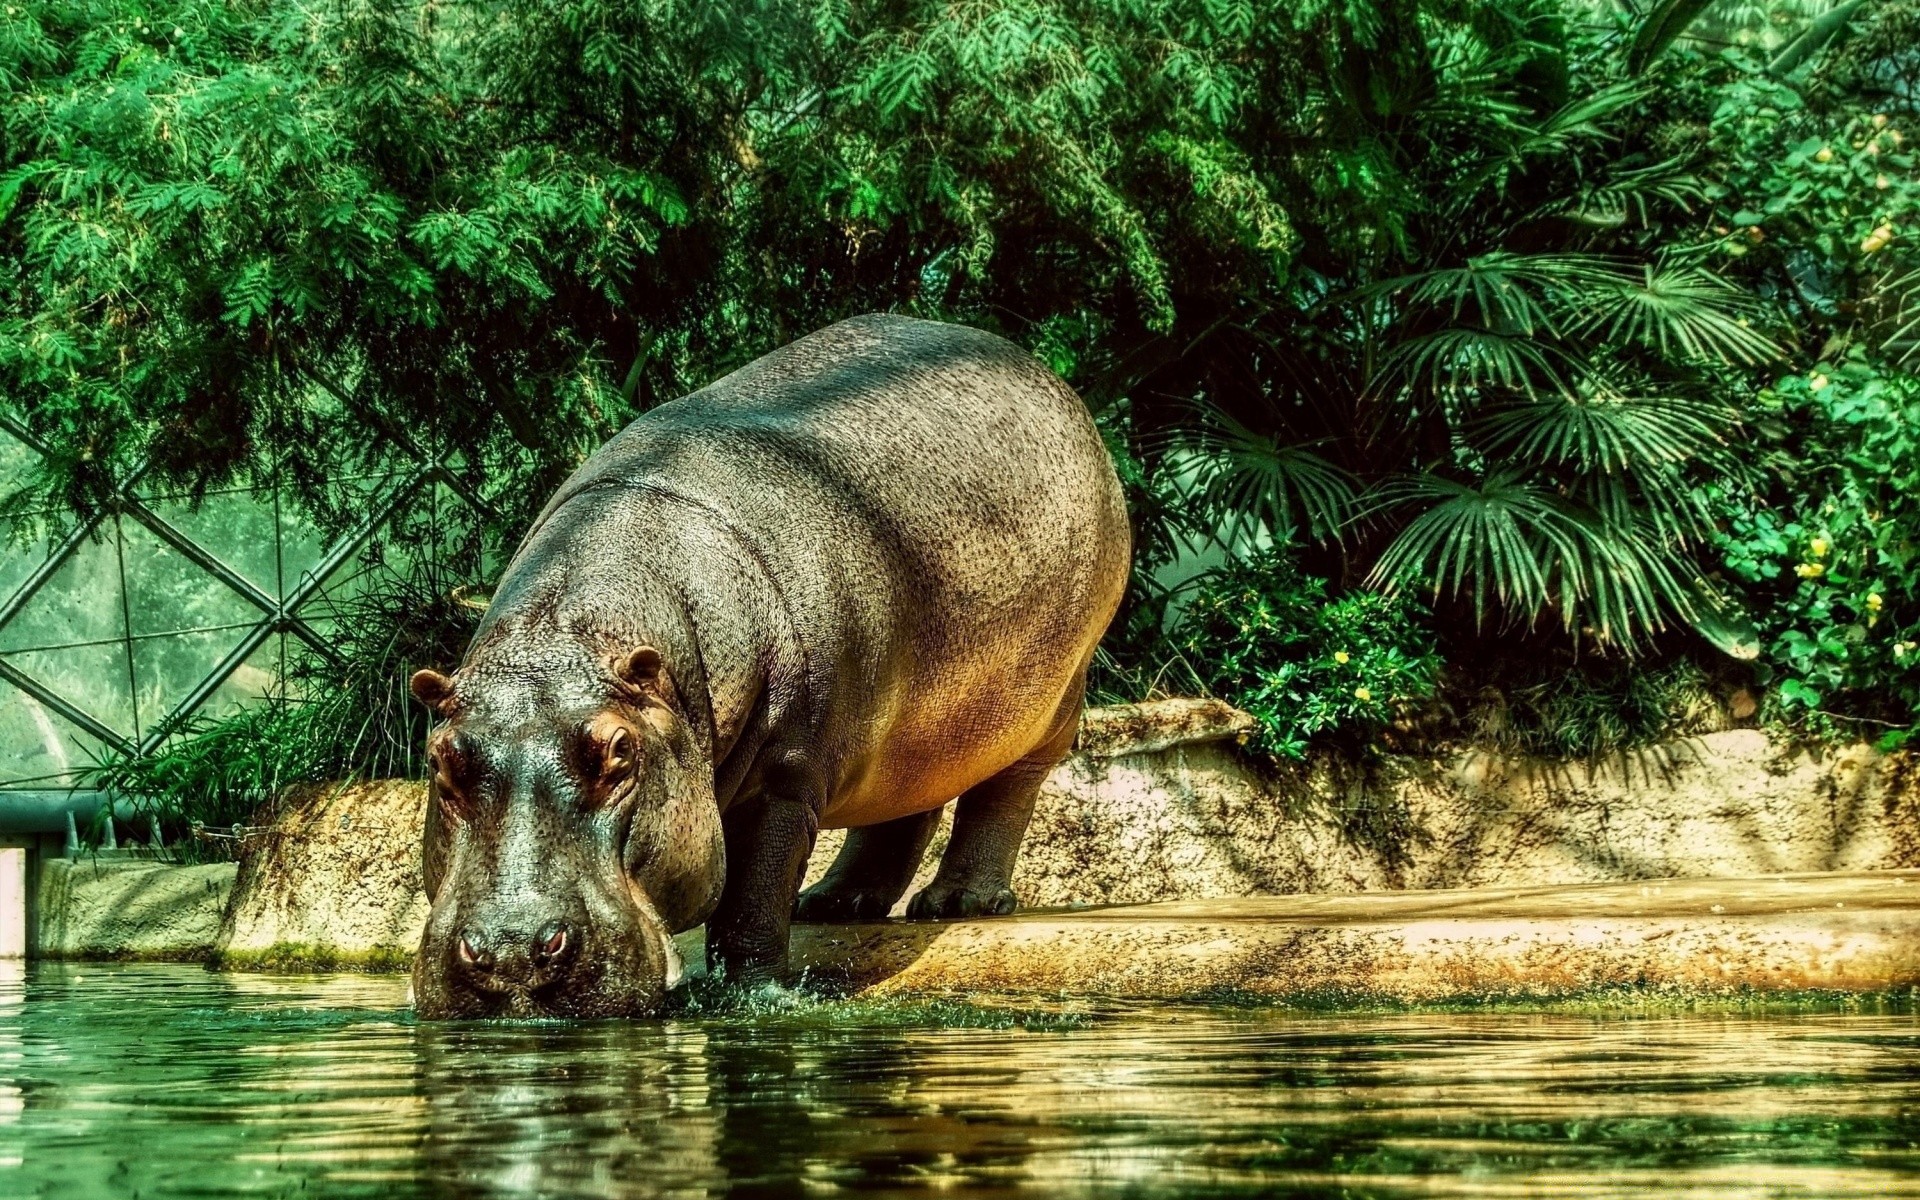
[[976, 873], [871, 872], [989, 819]]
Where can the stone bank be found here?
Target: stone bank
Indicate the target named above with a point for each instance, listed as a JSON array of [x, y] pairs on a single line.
[[1162, 862]]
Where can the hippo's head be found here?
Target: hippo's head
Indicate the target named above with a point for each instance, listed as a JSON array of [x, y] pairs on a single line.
[[571, 828]]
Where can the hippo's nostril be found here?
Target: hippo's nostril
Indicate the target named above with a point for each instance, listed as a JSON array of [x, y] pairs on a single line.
[[472, 957], [553, 944]]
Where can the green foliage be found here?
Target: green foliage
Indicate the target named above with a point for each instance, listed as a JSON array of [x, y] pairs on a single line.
[[243, 238], [1307, 667], [1518, 386], [1819, 191], [1587, 712], [1471, 302], [1828, 558], [247, 236]]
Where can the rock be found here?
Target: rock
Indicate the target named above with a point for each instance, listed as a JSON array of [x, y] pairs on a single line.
[[1196, 819], [332, 882], [1159, 725], [1723, 804], [1160, 804]]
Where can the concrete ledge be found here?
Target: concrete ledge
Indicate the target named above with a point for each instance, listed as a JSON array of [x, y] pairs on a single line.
[[1851, 933], [95, 908], [1855, 933]]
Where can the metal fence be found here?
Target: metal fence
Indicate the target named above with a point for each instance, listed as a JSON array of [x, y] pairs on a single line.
[[161, 609]]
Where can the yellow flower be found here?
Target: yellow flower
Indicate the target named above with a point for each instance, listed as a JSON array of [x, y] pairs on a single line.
[[1876, 241], [1819, 546], [1879, 120], [1816, 381], [1882, 182], [1341, 656], [1361, 693], [1874, 602], [1824, 155], [1810, 570]]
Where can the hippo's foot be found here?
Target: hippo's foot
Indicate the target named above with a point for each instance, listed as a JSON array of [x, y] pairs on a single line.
[[770, 996], [714, 995], [819, 906], [942, 901]]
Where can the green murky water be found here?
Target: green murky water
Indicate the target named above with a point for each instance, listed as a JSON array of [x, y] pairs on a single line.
[[170, 1081]]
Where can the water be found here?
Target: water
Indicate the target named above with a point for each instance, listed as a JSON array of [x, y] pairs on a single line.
[[169, 1081]]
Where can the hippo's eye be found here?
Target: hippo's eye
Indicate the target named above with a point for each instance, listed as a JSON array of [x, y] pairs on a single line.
[[619, 755], [606, 752], [448, 765]]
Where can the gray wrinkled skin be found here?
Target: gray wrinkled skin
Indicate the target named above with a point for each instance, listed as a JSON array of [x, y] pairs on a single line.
[[874, 565]]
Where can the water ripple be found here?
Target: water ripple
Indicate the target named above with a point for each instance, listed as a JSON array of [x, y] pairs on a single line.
[[171, 1081]]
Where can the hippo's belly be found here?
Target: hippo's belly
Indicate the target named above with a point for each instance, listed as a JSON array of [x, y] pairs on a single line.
[[956, 723], [928, 761]]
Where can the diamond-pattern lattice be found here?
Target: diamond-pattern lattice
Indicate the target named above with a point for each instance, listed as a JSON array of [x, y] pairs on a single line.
[[161, 609]]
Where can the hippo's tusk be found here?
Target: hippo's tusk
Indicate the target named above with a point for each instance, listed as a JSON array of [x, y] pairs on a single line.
[[676, 966], [676, 973]]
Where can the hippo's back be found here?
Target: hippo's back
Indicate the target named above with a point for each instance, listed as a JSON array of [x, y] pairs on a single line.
[[943, 525]]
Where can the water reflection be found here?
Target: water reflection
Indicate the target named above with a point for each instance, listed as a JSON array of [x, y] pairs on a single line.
[[169, 1081], [601, 1111]]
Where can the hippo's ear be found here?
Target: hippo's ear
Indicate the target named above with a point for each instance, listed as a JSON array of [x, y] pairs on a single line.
[[432, 689], [642, 670]]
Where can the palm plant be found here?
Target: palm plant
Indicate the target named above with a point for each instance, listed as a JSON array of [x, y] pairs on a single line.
[[1511, 418]]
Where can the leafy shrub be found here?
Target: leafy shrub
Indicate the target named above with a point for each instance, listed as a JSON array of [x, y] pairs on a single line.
[[1591, 711], [1268, 639], [1482, 289], [1817, 194], [1826, 552]]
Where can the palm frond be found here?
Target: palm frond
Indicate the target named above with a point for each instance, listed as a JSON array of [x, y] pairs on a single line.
[[1656, 499], [1606, 431], [1663, 24], [1583, 118], [1813, 39], [1497, 541], [1242, 478], [1559, 135], [1502, 291], [1901, 294], [1467, 358], [1517, 544], [1677, 310], [1630, 194], [1627, 585]]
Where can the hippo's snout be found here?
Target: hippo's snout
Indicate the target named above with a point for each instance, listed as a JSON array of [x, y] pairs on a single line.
[[582, 960], [509, 958]]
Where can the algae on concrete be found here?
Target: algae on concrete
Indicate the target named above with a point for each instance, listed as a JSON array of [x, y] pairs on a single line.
[[332, 883]]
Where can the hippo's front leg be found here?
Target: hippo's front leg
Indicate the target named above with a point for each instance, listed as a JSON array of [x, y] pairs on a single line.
[[769, 840]]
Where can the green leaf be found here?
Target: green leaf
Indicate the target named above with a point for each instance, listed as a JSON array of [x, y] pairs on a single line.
[[1665, 21]]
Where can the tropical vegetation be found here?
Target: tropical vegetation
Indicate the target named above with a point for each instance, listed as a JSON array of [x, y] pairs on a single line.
[[1494, 345]]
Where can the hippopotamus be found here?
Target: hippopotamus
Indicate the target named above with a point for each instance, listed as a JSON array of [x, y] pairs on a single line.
[[848, 583]]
